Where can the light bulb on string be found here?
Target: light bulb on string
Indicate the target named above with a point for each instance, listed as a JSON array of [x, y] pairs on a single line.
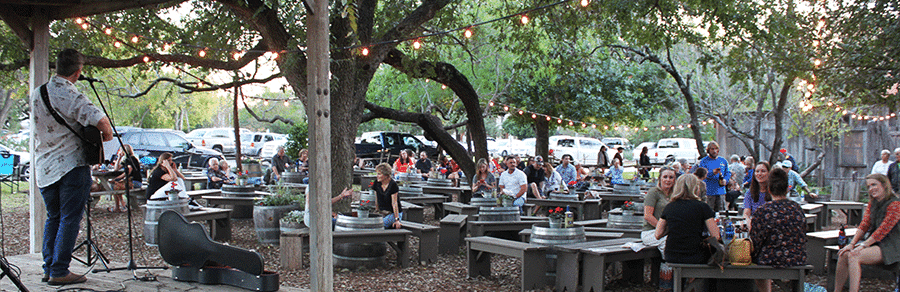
[[817, 62], [84, 26], [548, 118], [237, 55], [681, 127], [491, 103], [559, 121], [606, 127], [107, 31], [286, 103], [521, 112], [266, 102], [672, 128], [584, 3], [893, 115], [571, 123], [506, 108], [417, 44], [853, 116], [703, 123], [645, 129], [593, 126], [816, 43], [443, 86], [837, 109], [134, 39], [365, 51], [533, 116], [117, 44], [146, 59], [662, 128], [468, 33], [524, 19], [166, 46], [844, 112], [79, 20], [202, 53]]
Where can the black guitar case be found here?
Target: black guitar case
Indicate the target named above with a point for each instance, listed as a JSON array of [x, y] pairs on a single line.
[[197, 258]]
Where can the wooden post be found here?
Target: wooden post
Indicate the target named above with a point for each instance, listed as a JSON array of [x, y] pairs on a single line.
[[237, 131], [38, 75], [318, 112]]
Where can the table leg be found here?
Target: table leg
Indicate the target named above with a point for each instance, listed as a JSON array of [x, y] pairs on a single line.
[[404, 252], [438, 211], [568, 269], [594, 273], [676, 279]]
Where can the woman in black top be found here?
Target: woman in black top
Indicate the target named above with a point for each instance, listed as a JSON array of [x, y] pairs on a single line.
[[131, 176], [387, 195], [164, 172], [644, 162], [684, 219]]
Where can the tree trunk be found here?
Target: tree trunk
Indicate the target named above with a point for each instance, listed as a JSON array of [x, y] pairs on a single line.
[[542, 138], [779, 116]]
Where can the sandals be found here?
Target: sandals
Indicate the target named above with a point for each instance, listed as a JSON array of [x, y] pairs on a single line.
[[120, 209]]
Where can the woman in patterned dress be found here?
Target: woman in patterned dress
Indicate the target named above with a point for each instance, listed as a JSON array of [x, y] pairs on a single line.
[[882, 247], [779, 230]]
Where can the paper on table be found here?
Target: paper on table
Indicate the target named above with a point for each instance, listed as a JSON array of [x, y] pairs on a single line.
[[599, 249], [635, 246]]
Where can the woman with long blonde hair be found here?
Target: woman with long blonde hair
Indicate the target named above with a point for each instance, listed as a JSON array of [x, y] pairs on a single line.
[[684, 220], [131, 176], [484, 181]]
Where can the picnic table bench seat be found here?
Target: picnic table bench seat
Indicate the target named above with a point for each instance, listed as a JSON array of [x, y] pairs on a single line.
[[531, 256], [794, 275], [453, 230], [815, 246], [413, 212], [292, 243], [428, 240]]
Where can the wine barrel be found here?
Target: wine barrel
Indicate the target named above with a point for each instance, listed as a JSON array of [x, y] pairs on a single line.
[[441, 182], [266, 220], [564, 196], [292, 177], [483, 202], [410, 192], [353, 255], [410, 177], [542, 234], [498, 214], [627, 189], [151, 216], [239, 212], [619, 220]]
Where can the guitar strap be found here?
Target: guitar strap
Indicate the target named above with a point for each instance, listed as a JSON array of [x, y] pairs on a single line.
[[46, 98]]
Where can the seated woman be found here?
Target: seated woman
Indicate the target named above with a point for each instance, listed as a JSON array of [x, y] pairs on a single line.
[[130, 178], [758, 194], [228, 177], [163, 173], [684, 220], [403, 164], [779, 230], [387, 194], [882, 246], [551, 182], [615, 172], [484, 182], [654, 204]]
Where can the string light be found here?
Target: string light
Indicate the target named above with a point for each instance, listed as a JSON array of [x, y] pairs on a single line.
[[443, 86], [491, 103], [521, 112], [79, 20], [202, 53], [266, 102], [286, 103], [146, 59], [468, 33], [584, 3], [505, 108], [524, 19], [107, 31], [365, 51], [548, 118], [237, 55], [117, 44], [134, 39], [534, 116], [559, 121], [84, 26], [416, 44]]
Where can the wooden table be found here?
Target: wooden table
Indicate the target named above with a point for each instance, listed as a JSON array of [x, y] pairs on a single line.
[[103, 178], [189, 181], [585, 263], [365, 181], [219, 221], [584, 209], [816, 209], [588, 235], [853, 210], [609, 200], [815, 246], [460, 192], [482, 228], [436, 202]]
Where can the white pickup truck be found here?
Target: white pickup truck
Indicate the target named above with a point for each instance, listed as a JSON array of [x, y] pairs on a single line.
[[672, 149]]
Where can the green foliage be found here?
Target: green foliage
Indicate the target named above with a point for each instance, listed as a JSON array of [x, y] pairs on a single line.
[[298, 138], [295, 216], [283, 195]]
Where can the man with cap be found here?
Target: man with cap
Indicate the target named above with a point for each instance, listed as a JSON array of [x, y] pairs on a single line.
[[535, 174], [737, 169], [788, 156], [881, 166], [894, 172], [795, 181], [717, 177]]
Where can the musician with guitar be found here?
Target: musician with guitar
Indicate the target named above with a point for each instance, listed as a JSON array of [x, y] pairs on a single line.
[[62, 166]]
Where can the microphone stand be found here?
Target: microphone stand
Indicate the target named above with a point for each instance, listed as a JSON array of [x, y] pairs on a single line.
[[131, 264]]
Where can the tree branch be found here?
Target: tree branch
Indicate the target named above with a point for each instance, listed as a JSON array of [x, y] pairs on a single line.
[[190, 88], [272, 120]]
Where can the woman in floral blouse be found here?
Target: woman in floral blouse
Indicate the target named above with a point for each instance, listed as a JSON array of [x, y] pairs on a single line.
[[882, 247], [779, 230]]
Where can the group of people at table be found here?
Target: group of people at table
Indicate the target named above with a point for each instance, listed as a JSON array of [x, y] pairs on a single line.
[[677, 221]]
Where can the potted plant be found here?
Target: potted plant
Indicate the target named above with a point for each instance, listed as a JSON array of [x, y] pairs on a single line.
[[268, 212], [292, 221], [556, 217], [505, 200], [364, 208], [628, 208]]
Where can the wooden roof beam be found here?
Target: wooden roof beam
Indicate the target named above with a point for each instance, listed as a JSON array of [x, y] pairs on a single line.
[[18, 25]]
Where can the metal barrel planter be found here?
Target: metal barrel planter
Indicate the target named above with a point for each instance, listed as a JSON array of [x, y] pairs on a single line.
[[625, 219], [410, 177], [564, 196], [368, 196], [410, 192], [542, 234], [151, 216], [292, 177], [627, 189], [267, 220], [483, 202], [240, 212], [441, 182], [498, 214], [353, 255]]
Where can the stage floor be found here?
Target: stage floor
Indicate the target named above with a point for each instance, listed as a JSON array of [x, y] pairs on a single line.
[[30, 265]]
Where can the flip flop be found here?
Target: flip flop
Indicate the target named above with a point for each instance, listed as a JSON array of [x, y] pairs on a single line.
[[123, 209], [111, 209]]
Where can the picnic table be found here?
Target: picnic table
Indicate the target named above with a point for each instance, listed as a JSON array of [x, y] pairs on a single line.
[[584, 209], [853, 210], [816, 209], [586, 262], [482, 228], [815, 246], [189, 182], [608, 200], [219, 221], [460, 192], [436, 201], [102, 179]]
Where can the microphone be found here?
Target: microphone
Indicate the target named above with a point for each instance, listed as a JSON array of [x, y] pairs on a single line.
[[89, 79]]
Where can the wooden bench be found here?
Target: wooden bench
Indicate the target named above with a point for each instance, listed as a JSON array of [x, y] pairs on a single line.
[[196, 194], [219, 221], [815, 247], [532, 258], [795, 275], [884, 272], [459, 208], [230, 201], [413, 212], [428, 240], [396, 238], [453, 231], [585, 263], [629, 233], [137, 196], [591, 223]]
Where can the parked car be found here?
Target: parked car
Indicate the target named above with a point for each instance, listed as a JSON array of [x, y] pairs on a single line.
[[501, 147], [426, 141], [269, 149], [152, 143], [583, 149], [252, 143], [376, 144], [615, 142], [20, 166], [525, 147], [219, 139], [671, 149]]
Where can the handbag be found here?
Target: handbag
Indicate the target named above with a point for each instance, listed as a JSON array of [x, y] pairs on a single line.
[[90, 135], [716, 251], [739, 251]]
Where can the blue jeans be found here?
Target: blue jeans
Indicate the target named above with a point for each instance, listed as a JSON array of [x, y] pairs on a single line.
[[389, 220], [65, 200]]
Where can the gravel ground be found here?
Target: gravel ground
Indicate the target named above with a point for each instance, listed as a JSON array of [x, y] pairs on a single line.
[[448, 274]]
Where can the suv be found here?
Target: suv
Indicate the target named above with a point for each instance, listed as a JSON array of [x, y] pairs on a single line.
[[583, 149], [252, 143], [613, 142], [155, 142], [219, 139], [671, 149]]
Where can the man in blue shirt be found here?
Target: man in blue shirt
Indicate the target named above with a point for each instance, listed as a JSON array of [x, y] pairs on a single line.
[[717, 177], [566, 169]]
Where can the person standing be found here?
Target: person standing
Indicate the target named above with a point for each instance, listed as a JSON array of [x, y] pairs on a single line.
[[567, 170], [513, 182], [644, 163], [737, 169], [63, 175], [603, 159], [795, 181], [881, 166], [619, 155], [894, 172], [717, 178]]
